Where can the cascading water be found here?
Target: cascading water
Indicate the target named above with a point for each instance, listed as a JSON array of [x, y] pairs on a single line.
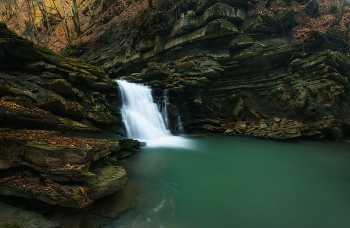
[[142, 118]]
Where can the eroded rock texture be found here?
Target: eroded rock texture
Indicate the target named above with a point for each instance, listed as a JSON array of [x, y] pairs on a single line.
[[222, 61]]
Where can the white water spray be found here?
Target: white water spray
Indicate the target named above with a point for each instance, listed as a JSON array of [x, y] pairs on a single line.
[[142, 118]]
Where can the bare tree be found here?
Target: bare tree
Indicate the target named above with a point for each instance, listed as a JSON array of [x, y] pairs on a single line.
[[75, 15], [66, 22]]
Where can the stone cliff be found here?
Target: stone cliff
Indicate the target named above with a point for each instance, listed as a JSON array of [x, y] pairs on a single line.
[[230, 68], [47, 100]]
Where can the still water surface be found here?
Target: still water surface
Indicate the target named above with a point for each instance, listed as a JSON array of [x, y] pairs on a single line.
[[239, 182]]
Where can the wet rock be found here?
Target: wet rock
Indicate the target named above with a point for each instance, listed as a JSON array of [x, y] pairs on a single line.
[[110, 179], [116, 203], [336, 133]]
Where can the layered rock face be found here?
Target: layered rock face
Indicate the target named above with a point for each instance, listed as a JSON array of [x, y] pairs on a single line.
[[33, 77], [223, 64], [54, 97], [47, 166]]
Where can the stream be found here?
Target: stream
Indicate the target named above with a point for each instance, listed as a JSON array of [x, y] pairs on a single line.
[[220, 181]]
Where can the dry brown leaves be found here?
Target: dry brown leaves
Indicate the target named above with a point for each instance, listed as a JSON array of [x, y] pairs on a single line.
[[13, 105], [50, 137], [322, 24], [30, 184]]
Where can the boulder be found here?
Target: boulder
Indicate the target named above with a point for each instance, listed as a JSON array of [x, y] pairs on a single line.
[[311, 8], [74, 109], [110, 179], [154, 71], [53, 103], [101, 115], [60, 86]]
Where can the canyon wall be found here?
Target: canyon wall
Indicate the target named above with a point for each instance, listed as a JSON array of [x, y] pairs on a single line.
[[224, 63]]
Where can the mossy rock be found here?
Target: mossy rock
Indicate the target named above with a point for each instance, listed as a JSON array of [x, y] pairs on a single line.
[[74, 109], [102, 115], [185, 66], [287, 19], [61, 86], [53, 103]]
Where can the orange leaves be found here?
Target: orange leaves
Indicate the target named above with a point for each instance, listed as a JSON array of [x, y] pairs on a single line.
[[13, 105], [30, 184], [49, 137]]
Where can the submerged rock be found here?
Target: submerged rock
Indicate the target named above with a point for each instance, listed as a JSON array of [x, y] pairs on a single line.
[[15, 217]]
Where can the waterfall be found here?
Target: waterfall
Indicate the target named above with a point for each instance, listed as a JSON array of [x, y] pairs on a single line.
[[142, 117]]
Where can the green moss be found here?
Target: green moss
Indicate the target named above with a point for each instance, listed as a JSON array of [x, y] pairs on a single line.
[[185, 65]]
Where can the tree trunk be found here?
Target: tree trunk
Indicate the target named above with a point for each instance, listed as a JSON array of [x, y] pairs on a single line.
[[75, 16], [66, 23], [18, 18], [150, 4]]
